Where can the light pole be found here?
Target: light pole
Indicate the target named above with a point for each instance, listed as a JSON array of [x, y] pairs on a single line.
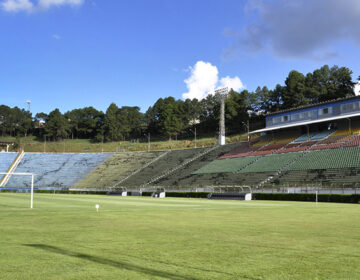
[[222, 92], [28, 103], [247, 125], [194, 131], [148, 137]]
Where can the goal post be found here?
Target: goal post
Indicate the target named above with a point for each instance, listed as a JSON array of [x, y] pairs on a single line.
[[32, 184]]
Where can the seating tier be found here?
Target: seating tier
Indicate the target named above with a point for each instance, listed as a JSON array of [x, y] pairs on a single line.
[[226, 165], [116, 168], [6, 159], [60, 170]]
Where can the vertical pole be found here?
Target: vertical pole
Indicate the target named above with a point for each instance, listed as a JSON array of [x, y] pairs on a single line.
[[248, 131], [32, 191], [307, 132], [195, 136], [316, 197], [350, 133], [222, 122]]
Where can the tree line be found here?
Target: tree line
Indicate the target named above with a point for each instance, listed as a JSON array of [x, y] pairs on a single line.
[[173, 118]]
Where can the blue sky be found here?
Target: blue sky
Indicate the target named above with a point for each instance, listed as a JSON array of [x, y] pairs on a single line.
[[70, 54]]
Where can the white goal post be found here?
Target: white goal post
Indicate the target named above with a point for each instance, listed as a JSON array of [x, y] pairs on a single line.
[[32, 184]]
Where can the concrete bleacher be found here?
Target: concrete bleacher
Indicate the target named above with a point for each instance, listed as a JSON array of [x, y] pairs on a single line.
[[116, 168], [327, 159], [322, 134], [171, 160], [184, 174], [226, 165], [56, 170], [355, 141], [314, 136], [269, 163], [6, 159], [336, 176], [244, 149]]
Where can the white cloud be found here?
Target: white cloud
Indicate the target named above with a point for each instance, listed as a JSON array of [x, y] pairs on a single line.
[[357, 89], [46, 4], [15, 6], [296, 28], [56, 37], [234, 83], [204, 79]]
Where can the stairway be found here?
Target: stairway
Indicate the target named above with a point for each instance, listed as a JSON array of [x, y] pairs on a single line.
[[279, 172], [172, 170], [5, 179], [141, 168]]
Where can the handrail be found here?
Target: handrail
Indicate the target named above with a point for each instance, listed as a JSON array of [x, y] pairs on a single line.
[[5, 179]]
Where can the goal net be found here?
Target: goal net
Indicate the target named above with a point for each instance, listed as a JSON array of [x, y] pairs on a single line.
[[5, 176]]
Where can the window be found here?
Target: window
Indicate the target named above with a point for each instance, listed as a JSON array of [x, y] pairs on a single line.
[[325, 111], [349, 107]]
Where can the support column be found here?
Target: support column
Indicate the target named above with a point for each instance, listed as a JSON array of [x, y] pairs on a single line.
[[308, 132]]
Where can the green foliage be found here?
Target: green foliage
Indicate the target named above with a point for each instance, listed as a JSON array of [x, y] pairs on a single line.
[[173, 118], [167, 116], [112, 123], [57, 126], [14, 121], [84, 122]]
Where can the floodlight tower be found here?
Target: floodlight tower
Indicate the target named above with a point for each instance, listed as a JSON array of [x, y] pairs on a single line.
[[28, 103], [222, 93]]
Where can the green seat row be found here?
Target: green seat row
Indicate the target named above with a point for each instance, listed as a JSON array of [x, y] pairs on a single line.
[[270, 163], [229, 165], [328, 159]]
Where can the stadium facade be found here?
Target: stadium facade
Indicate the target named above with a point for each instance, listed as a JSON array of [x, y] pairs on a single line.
[[333, 112]]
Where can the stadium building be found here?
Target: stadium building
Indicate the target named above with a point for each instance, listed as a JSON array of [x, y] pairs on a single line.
[[312, 146], [324, 116]]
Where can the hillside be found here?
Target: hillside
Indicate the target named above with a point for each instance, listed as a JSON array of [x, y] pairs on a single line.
[[32, 144]]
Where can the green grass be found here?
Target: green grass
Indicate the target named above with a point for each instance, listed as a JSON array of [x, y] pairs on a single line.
[[31, 144], [63, 237]]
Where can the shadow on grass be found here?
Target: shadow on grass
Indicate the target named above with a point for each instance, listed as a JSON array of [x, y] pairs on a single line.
[[116, 264], [189, 267]]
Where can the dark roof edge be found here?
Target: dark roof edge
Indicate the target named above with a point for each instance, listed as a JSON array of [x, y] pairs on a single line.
[[313, 105]]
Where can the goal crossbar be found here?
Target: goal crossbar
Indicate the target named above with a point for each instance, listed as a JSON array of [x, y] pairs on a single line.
[[32, 183]]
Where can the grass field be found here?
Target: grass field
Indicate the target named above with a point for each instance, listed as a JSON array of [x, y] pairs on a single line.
[[31, 144], [63, 237]]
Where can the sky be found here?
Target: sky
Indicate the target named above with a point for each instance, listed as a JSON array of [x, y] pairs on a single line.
[[71, 54]]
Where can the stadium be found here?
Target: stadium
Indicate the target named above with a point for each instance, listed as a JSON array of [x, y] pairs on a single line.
[[181, 140], [315, 147], [305, 154]]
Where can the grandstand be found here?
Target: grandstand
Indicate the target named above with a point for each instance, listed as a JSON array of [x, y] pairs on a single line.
[[296, 144], [117, 168], [296, 147], [169, 162], [6, 159], [56, 170]]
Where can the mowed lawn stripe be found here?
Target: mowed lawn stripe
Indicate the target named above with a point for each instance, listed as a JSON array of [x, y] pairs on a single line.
[[64, 237]]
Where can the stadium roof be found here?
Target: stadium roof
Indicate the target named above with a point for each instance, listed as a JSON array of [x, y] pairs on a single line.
[[306, 123], [313, 105]]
